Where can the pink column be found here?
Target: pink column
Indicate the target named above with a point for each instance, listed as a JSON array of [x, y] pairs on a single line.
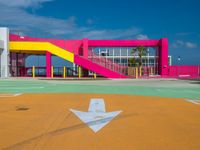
[[48, 64], [163, 57], [85, 48]]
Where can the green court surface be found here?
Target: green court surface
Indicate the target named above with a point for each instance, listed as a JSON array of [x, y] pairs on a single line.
[[149, 87]]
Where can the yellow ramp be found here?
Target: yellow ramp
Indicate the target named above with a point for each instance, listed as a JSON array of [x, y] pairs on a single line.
[[40, 47]]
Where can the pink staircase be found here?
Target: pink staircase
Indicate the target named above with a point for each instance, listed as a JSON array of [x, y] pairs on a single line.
[[98, 68], [102, 61]]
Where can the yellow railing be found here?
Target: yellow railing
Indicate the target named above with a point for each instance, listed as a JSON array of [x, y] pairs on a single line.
[[33, 71], [79, 72], [64, 72], [95, 75], [52, 70]]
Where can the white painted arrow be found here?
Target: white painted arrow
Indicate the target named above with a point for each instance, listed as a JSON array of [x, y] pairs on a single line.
[[96, 117]]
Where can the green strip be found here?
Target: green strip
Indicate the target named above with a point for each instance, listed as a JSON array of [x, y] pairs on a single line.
[[46, 87]]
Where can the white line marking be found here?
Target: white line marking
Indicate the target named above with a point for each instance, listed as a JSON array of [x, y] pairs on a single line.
[[10, 95], [18, 94], [197, 102], [22, 88], [21, 85]]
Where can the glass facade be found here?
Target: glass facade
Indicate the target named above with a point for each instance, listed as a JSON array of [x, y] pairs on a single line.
[[125, 56]]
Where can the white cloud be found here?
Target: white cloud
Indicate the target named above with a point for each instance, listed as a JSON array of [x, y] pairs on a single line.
[[177, 44], [190, 45], [22, 3], [18, 18], [182, 44], [110, 33], [142, 37], [14, 15]]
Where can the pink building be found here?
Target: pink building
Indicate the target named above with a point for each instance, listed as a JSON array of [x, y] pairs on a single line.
[[82, 53]]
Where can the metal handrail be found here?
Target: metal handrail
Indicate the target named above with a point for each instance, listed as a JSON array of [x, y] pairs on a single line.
[[101, 60]]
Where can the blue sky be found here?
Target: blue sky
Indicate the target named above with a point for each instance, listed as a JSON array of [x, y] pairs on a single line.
[[178, 20]]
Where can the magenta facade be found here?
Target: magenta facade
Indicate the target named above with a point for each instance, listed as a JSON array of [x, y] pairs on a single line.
[[163, 57], [184, 71], [48, 64], [80, 49]]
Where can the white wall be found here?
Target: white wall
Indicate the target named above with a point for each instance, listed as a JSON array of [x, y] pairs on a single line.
[[1, 45], [4, 36]]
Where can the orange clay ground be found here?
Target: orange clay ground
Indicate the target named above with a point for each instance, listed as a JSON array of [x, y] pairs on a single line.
[[44, 122]]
